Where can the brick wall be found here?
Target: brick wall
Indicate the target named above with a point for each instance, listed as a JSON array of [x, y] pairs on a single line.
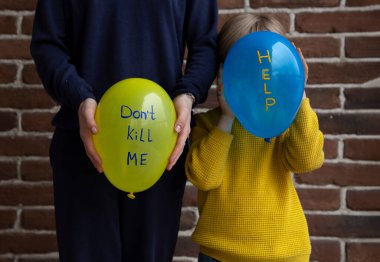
[[341, 41]]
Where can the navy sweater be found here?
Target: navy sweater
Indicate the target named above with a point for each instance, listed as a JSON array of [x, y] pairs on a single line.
[[82, 47]]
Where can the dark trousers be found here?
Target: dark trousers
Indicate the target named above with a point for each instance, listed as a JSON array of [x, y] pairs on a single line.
[[98, 223]]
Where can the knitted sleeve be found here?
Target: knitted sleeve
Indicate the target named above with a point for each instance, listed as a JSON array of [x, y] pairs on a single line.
[[303, 145], [206, 160]]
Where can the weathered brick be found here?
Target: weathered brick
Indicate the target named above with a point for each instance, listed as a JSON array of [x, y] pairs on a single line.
[[363, 252], [361, 2], [230, 4], [27, 195], [7, 73], [350, 72], [326, 22], [7, 219], [311, 198], [14, 49], [355, 123], [17, 5], [293, 3], [323, 98], [190, 196], [8, 25], [363, 199], [38, 219], [8, 170], [8, 121], [37, 121], [343, 174], [186, 247], [24, 243], [24, 146], [188, 220], [362, 98], [330, 148], [36, 170], [20, 98], [357, 47], [29, 75], [318, 46], [344, 226], [27, 25], [325, 250], [362, 149]]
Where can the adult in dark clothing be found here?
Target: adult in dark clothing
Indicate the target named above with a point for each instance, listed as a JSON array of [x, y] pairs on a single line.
[[83, 47]]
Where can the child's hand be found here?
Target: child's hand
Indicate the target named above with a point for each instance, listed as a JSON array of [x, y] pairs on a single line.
[[226, 110], [305, 67]]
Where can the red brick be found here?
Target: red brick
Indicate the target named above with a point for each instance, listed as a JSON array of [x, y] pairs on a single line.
[[344, 226], [338, 22], [190, 196], [293, 3], [27, 25], [24, 146], [29, 75], [350, 72], [330, 148], [14, 49], [8, 170], [318, 46], [36, 170], [343, 174], [357, 47], [7, 73], [20, 98], [7, 219], [362, 98], [325, 250], [41, 219], [8, 25], [188, 220], [186, 247], [363, 252], [323, 98], [39, 259], [361, 2], [8, 121], [311, 198], [230, 4], [355, 123], [37, 121], [24, 243], [27, 195], [363, 199], [17, 5], [362, 149]]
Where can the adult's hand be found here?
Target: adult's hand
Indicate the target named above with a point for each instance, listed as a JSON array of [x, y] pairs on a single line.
[[88, 128], [183, 104]]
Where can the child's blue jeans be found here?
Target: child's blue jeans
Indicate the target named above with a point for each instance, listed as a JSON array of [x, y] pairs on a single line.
[[205, 258]]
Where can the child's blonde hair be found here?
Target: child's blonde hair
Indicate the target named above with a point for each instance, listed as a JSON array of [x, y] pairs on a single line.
[[243, 24]]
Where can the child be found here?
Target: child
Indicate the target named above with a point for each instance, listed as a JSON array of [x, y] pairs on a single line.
[[248, 205]]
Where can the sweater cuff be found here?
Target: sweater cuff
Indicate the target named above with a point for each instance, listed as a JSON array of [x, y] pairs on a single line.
[[78, 90], [221, 137], [183, 88]]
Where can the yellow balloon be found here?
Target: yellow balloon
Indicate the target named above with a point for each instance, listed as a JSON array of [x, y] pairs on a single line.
[[135, 119]]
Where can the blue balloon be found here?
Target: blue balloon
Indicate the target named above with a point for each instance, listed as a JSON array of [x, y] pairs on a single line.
[[264, 79]]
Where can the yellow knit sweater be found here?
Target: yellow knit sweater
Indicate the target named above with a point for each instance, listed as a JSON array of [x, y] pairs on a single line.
[[249, 208]]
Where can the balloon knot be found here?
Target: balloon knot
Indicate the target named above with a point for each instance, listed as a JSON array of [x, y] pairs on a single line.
[[131, 196]]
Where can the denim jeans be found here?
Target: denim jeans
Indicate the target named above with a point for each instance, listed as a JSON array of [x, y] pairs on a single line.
[[205, 258]]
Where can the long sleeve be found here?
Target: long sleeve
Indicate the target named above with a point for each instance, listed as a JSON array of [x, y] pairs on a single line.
[[202, 61], [303, 146], [49, 48], [207, 158]]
